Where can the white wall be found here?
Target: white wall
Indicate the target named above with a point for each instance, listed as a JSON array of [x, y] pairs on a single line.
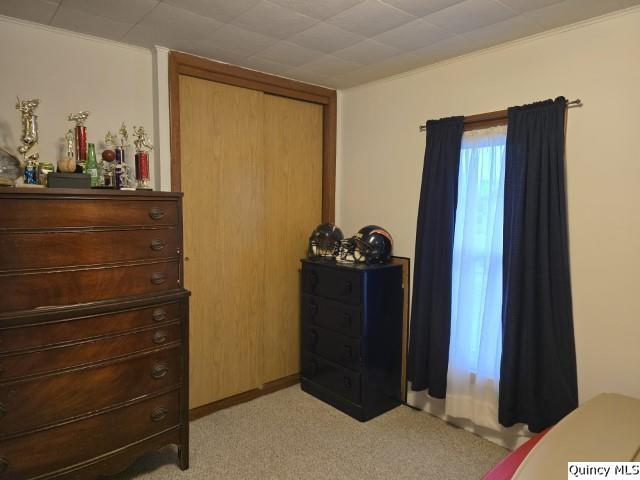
[[70, 72], [381, 156]]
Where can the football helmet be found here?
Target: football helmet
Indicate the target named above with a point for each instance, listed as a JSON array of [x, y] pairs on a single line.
[[324, 241], [374, 244]]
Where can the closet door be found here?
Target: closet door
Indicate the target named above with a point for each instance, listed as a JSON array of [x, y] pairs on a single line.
[[293, 207], [222, 172]]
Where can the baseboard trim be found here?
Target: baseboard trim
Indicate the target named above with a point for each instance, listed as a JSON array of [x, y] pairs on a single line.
[[267, 388]]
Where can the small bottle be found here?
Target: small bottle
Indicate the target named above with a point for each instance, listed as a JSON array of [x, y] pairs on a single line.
[[91, 166]]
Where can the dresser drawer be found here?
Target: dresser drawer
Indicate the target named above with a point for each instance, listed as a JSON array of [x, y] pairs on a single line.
[[30, 213], [90, 351], [71, 329], [31, 455], [332, 346], [337, 316], [47, 399], [339, 380], [334, 283], [64, 248], [73, 287]]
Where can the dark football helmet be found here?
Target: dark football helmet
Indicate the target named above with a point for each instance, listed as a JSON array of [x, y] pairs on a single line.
[[325, 241], [374, 244]]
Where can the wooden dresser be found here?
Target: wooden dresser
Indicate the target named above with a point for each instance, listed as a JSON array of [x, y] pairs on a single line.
[[94, 330], [352, 335]]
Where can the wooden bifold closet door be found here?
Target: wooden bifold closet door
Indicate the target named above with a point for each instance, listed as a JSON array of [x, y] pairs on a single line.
[[251, 170]]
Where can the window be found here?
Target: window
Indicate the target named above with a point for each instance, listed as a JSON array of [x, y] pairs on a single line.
[[476, 297]]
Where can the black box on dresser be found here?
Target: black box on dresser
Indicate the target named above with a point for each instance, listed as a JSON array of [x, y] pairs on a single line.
[[351, 327], [94, 331]]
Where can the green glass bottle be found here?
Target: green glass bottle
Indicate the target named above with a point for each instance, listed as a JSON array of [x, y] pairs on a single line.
[[91, 165]]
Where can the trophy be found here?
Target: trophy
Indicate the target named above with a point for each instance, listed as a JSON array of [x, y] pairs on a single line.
[[81, 135], [120, 167], [29, 148], [143, 146], [68, 163]]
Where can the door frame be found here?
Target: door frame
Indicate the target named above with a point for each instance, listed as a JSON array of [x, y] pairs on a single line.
[[198, 67]]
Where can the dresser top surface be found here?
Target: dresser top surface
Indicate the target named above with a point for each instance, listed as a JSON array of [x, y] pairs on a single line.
[[319, 261], [82, 193]]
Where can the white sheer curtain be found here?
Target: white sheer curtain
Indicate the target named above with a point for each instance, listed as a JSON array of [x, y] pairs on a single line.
[[476, 293], [476, 299]]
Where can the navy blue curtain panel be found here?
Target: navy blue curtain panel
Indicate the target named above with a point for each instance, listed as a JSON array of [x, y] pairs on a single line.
[[538, 384], [431, 305]]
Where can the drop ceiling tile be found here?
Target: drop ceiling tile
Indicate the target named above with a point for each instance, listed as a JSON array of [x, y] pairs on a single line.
[[328, 66], [173, 39], [571, 11], [304, 76], [325, 38], [126, 11], [318, 9], [367, 51], [273, 20], [420, 8], [40, 11], [526, 5], [77, 21], [391, 66], [449, 48], [223, 10], [413, 35], [370, 18], [289, 54], [236, 39], [502, 32], [263, 65], [165, 19], [470, 15], [208, 50]]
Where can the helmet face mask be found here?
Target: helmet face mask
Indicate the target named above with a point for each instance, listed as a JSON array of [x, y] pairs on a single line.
[[324, 241]]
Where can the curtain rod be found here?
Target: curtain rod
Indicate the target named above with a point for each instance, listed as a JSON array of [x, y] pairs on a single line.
[[499, 115]]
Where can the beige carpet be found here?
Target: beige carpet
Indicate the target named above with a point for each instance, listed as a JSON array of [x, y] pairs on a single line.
[[291, 435]]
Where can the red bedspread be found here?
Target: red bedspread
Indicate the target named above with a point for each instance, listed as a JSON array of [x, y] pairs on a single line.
[[507, 467]]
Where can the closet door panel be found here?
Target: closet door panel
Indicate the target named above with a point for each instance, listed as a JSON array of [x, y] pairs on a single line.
[[222, 172], [293, 207]]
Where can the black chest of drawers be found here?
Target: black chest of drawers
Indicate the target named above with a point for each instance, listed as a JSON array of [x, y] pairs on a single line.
[[352, 335]]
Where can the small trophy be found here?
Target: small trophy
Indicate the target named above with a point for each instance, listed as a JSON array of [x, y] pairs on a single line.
[[143, 147], [68, 163], [29, 149], [120, 168], [81, 135]]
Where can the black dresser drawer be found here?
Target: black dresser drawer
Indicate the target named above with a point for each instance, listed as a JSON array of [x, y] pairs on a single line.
[[346, 319], [332, 346], [334, 283], [339, 380]]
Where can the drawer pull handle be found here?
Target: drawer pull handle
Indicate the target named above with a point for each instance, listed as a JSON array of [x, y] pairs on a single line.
[[314, 338], [159, 414], [156, 213], [348, 288], [158, 278], [159, 337], [313, 308], [4, 464], [347, 382], [3, 410], [159, 370], [159, 314], [313, 278], [348, 351], [157, 244], [346, 319]]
